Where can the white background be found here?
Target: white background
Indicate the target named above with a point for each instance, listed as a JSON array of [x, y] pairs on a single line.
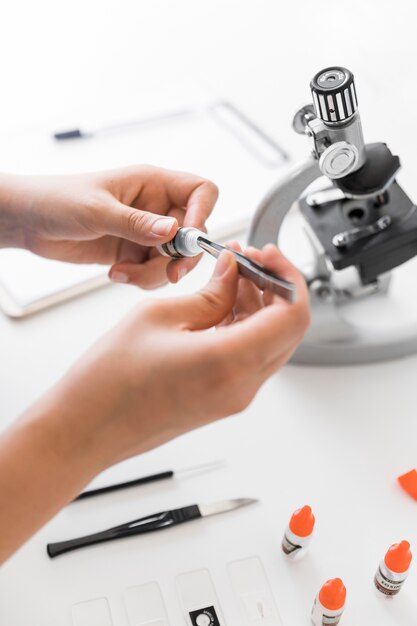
[[335, 438]]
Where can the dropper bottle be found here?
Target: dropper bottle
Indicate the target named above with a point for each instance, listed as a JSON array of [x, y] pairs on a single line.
[[298, 533], [329, 603], [393, 569]]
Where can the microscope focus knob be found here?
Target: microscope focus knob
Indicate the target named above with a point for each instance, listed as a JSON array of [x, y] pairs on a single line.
[[334, 95], [339, 160]]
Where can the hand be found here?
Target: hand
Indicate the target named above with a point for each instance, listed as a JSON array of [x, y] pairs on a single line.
[[115, 217], [155, 376], [158, 374]]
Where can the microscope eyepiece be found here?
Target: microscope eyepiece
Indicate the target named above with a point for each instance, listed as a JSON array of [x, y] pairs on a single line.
[[334, 94]]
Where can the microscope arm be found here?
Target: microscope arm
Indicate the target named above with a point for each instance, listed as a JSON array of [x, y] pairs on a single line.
[[274, 207], [265, 229]]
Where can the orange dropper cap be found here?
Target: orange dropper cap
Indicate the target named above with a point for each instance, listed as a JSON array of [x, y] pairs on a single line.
[[333, 594], [302, 522], [398, 557], [408, 482]]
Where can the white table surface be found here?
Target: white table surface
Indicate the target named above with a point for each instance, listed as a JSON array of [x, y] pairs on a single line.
[[332, 437]]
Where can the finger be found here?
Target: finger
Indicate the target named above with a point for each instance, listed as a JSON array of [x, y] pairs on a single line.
[[249, 298], [266, 335], [262, 339], [234, 245], [276, 364], [197, 195], [229, 319], [148, 275], [201, 204], [213, 303], [178, 268], [255, 380], [142, 227], [275, 261], [271, 258], [256, 255], [178, 213], [131, 252]]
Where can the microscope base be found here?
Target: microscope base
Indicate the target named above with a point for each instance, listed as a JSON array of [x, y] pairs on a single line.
[[333, 341]]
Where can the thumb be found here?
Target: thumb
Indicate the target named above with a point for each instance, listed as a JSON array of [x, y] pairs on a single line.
[[142, 227], [213, 303]]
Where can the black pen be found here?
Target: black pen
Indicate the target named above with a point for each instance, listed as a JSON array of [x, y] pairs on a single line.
[[86, 133]]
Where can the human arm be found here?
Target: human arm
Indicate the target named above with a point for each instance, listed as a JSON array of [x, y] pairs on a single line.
[[114, 217], [155, 376]]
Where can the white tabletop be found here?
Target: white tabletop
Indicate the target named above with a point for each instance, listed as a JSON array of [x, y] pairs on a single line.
[[334, 438]]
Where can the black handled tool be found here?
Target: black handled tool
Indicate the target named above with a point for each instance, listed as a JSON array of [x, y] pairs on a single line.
[[143, 480], [157, 521]]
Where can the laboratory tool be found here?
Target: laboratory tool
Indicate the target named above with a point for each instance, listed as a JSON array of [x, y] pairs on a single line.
[[150, 523], [199, 599], [189, 242], [145, 605], [358, 225], [144, 480], [92, 613], [253, 592]]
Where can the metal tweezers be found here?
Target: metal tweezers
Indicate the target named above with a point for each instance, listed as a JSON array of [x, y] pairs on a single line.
[[258, 274]]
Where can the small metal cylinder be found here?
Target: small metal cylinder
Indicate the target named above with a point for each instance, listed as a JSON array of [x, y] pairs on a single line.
[[184, 244]]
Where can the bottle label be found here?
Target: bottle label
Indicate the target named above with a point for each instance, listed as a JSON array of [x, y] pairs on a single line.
[[386, 585], [320, 618], [329, 620], [289, 547]]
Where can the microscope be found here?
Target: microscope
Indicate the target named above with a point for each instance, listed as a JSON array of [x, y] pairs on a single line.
[[359, 224]]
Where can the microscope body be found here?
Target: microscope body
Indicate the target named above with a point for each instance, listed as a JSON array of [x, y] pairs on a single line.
[[361, 220]]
